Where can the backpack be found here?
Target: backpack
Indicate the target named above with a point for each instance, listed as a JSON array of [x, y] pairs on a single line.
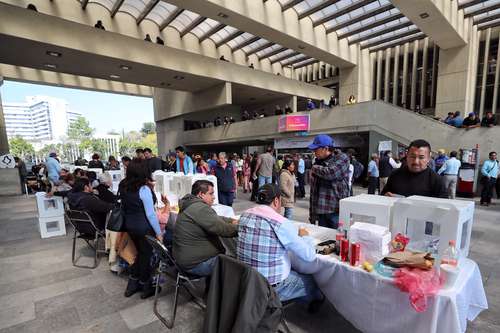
[[358, 169]]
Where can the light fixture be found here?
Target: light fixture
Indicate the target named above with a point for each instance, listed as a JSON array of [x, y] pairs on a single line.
[[125, 67], [252, 98], [54, 54], [114, 76], [52, 66], [424, 15], [165, 84], [179, 77], [222, 15], [302, 47]]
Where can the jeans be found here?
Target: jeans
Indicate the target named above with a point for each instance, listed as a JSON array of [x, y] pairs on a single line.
[[226, 198], [487, 192], [372, 185], [298, 286], [288, 212], [265, 180], [330, 220], [204, 268]]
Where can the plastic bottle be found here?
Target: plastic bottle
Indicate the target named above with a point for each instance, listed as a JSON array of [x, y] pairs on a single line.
[[339, 236], [450, 255]]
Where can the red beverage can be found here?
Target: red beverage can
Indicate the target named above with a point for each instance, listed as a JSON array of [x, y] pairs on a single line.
[[344, 249], [355, 254]]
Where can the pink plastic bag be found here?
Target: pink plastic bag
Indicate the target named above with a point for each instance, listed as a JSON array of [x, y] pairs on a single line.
[[419, 283]]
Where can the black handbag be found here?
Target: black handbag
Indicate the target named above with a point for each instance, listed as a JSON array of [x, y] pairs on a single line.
[[116, 219]]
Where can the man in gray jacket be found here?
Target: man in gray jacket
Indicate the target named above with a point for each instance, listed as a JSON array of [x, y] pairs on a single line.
[[196, 242]]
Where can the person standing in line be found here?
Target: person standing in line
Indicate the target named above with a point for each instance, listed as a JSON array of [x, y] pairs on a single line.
[[253, 169], [227, 180], [449, 170], [239, 169], [21, 166], [264, 167], [53, 168], [138, 201], [440, 159], [373, 174], [183, 162], [385, 167], [329, 182], [246, 174], [287, 187], [489, 171], [153, 162], [301, 176]]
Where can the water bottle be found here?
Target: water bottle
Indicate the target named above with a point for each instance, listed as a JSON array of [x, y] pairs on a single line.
[[450, 255]]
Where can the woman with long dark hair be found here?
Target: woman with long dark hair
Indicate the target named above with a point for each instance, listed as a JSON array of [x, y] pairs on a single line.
[[140, 219]]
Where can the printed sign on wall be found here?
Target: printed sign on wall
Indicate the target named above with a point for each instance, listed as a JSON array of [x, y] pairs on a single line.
[[293, 123]]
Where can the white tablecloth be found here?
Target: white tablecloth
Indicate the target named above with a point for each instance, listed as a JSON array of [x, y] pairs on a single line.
[[373, 304]]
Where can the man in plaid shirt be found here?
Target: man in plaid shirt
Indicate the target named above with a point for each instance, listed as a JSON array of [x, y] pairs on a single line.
[[264, 239], [329, 182]]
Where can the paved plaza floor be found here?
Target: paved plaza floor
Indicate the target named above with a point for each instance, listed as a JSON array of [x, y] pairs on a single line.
[[40, 290]]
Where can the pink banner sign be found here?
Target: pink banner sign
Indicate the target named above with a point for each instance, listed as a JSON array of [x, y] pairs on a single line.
[[293, 123]]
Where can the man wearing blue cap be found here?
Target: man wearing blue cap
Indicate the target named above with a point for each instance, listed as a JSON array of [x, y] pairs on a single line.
[[329, 182]]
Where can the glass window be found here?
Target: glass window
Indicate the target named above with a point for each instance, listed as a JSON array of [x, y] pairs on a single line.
[[161, 12]]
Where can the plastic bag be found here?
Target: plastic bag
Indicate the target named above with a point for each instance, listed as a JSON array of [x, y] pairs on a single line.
[[419, 284]]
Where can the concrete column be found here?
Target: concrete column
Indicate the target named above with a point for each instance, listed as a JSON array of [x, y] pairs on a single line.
[[485, 72], [395, 76], [456, 80], [434, 72], [4, 142], [386, 74], [404, 91], [379, 75], [423, 86], [413, 98], [495, 87], [357, 80]]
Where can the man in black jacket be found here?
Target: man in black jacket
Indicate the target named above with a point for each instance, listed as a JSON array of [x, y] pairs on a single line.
[[416, 178], [82, 198], [153, 162]]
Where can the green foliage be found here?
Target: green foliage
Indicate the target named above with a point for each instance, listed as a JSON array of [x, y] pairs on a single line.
[[80, 129], [20, 147], [148, 128]]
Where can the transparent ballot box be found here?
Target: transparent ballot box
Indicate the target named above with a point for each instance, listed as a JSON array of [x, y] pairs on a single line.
[[162, 180], [51, 226], [367, 208], [49, 206], [431, 223], [116, 175]]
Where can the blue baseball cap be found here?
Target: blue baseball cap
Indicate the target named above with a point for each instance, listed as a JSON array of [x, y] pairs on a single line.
[[321, 141]]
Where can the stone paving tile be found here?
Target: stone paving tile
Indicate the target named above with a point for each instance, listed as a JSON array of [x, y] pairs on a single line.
[[41, 280], [92, 300], [10, 316]]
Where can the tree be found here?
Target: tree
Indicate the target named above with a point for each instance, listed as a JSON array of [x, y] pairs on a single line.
[[148, 128], [80, 129], [98, 146], [20, 147]]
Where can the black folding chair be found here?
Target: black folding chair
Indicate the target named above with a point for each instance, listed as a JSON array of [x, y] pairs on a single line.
[[166, 261], [85, 229]]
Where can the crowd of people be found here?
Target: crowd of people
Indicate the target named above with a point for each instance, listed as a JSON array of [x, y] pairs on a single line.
[[264, 233], [471, 121]]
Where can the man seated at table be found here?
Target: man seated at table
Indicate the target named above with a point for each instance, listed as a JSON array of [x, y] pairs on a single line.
[[264, 239], [196, 241], [82, 197], [415, 177]]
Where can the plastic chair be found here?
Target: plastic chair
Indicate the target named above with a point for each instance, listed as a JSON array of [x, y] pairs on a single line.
[[85, 229], [182, 278]]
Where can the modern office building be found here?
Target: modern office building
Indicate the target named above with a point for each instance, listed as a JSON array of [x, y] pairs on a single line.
[[40, 119]]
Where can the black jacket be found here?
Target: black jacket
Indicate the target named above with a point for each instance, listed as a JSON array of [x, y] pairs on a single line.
[[91, 204], [240, 300]]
